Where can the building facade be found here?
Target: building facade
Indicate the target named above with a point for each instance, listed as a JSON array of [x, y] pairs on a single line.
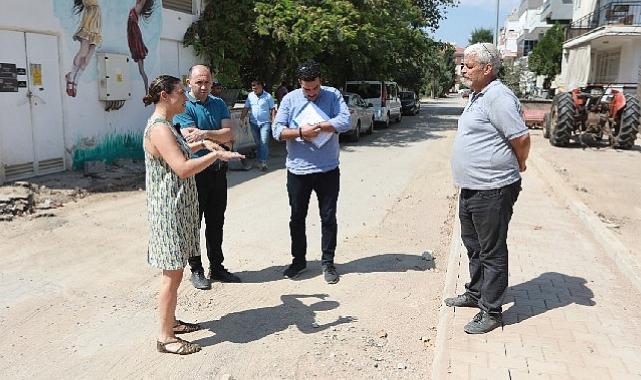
[[73, 74], [603, 45]]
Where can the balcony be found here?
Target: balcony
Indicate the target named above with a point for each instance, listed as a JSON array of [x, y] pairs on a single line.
[[613, 14], [556, 11]]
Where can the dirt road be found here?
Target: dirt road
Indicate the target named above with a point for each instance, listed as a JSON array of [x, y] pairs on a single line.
[[79, 301]]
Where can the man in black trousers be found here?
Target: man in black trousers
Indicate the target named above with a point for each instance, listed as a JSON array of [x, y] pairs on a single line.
[[491, 146]]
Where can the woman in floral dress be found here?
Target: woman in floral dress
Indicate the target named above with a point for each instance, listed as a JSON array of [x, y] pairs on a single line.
[[172, 203]]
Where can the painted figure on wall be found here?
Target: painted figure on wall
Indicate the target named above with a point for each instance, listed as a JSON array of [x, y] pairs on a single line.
[[144, 9], [89, 35]]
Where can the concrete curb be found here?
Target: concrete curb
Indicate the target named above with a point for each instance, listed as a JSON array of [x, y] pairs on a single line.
[[627, 264], [440, 363]]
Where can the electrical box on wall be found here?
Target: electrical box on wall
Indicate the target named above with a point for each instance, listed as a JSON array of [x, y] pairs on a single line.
[[113, 74]]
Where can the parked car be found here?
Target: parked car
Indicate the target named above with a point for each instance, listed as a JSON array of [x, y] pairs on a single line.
[[410, 104], [465, 92], [383, 95], [361, 116]]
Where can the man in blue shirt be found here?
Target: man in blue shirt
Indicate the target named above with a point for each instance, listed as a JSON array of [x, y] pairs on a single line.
[[490, 150], [310, 167], [207, 117], [262, 107]]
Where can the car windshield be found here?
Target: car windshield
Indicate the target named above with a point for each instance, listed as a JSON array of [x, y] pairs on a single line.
[[406, 95], [365, 90]]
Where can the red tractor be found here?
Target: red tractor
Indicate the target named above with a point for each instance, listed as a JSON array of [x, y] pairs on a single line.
[[588, 114]]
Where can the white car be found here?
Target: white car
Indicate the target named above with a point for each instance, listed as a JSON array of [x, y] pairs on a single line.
[[361, 116], [382, 95]]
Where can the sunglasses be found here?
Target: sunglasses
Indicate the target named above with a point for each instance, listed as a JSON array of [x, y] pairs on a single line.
[[488, 52]]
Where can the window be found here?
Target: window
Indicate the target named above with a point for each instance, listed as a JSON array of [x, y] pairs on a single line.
[[607, 66], [178, 5]]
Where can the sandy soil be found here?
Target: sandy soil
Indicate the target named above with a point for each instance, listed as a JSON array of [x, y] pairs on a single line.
[[79, 301], [607, 180]]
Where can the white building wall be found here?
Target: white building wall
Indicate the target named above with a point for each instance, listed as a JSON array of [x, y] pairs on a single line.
[[630, 62], [85, 120], [582, 8]]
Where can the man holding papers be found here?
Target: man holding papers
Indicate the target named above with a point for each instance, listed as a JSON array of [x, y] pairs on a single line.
[[310, 119]]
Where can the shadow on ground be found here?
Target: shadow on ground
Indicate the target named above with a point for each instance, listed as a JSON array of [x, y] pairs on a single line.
[[389, 262], [546, 292], [254, 324]]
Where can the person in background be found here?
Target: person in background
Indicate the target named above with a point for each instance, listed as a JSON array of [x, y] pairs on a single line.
[[172, 204], [281, 91], [262, 107], [217, 89]]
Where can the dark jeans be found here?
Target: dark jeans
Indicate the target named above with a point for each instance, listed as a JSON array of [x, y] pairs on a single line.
[[485, 215], [299, 188], [212, 202]]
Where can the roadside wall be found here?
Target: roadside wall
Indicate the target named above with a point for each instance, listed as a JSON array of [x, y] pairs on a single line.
[[86, 131]]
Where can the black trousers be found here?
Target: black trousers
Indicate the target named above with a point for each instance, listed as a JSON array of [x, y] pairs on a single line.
[[485, 215], [212, 203], [299, 188]]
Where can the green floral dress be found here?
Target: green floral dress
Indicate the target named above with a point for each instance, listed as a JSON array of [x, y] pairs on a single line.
[[172, 205]]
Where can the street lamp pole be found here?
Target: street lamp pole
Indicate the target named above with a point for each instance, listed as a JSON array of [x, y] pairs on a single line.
[[496, 26]]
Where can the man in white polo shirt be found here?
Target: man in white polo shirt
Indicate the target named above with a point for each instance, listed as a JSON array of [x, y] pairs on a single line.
[[490, 150]]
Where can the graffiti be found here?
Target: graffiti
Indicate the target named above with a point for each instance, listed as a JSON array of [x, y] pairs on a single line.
[[89, 34], [110, 148], [130, 27], [144, 9]]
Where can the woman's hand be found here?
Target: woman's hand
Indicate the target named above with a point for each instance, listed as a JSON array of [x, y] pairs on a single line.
[[212, 146], [226, 156]]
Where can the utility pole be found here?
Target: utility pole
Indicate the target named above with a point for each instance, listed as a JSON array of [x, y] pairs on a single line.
[[496, 27]]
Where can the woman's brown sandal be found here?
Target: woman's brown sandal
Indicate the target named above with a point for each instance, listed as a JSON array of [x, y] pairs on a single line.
[[185, 347], [184, 327]]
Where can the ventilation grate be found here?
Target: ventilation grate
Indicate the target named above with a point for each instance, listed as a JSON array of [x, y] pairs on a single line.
[[19, 171]]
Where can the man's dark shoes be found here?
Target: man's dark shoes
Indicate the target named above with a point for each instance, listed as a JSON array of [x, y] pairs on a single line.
[[199, 280], [463, 300], [223, 275], [330, 274], [483, 322], [294, 270]]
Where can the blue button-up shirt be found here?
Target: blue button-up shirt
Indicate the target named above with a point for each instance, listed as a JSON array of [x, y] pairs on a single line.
[[304, 157], [482, 156], [260, 107], [207, 115]]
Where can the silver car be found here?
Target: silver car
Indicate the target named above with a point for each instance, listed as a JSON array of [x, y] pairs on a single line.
[[361, 116]]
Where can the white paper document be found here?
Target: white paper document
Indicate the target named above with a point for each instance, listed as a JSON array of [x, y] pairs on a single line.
[[311, 114]]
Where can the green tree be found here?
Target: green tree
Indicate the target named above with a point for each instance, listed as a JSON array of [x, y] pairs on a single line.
[[352, 39], [481, 35], [510, 75], [546, 56]]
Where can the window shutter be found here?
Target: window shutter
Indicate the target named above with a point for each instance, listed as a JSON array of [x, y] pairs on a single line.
[[178, 5]]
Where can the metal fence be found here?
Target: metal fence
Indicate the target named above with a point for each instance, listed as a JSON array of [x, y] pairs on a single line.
[[618, 13]]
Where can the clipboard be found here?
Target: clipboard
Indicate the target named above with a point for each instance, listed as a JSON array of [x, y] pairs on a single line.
[[311, 114]]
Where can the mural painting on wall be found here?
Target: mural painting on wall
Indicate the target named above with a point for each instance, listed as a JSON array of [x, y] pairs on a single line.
[[103, 25], [89, 35], [144, 9]]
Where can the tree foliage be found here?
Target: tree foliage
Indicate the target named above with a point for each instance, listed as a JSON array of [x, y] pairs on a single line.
[[352, 39], [546, 56], [481, 35]]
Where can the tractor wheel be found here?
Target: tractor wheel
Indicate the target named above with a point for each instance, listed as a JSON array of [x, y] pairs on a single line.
[[546, 126], [562, 119], [628, 123]]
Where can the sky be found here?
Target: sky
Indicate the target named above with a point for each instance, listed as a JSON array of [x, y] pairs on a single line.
[[472, 14]]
